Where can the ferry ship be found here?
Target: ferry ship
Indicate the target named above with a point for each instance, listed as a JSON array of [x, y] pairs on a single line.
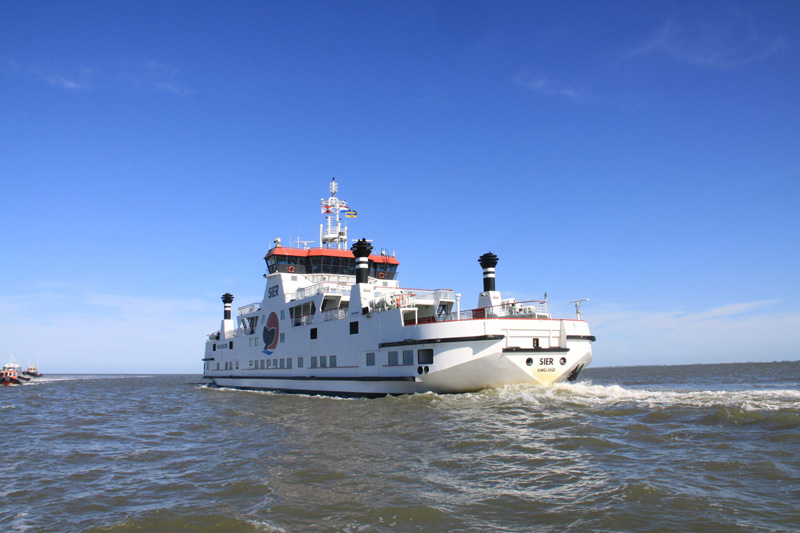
[[336, 321]]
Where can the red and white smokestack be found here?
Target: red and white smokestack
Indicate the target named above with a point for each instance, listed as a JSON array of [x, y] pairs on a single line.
[[361, 251], [227, 299], [488, 261]]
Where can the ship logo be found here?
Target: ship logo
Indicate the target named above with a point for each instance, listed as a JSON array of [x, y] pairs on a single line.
[[271, 333]]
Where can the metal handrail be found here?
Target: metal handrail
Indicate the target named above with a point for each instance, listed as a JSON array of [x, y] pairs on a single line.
[[249, 308]]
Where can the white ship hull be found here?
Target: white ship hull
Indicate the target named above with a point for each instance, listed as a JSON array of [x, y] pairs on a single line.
[[476, 373]]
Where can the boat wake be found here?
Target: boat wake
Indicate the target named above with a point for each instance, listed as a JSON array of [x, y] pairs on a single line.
[[587, 394]]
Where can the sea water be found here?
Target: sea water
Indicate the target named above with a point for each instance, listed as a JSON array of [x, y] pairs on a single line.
[[650, 448]]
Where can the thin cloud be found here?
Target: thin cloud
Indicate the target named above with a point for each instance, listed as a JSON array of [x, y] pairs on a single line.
[[731, 310], [545, 85], [722, 46], [152, 75], [157, 76], [76, 80]]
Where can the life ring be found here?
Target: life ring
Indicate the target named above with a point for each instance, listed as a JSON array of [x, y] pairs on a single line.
[[290, 268], [401, 301], [381, 275]]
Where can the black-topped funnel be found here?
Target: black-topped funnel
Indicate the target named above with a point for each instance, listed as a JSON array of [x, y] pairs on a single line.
[[361, 250], [227, 299], [488, 261]]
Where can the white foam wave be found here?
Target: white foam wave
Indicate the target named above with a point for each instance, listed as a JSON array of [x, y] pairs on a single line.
[[588, 394]]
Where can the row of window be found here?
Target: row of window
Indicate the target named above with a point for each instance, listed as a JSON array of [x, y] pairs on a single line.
[[256, 364], [326, 265], [393, 358]]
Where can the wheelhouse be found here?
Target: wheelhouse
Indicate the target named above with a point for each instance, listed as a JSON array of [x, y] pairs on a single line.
[[327, 261]]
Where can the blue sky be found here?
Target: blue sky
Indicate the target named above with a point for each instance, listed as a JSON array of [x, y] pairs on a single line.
[[645, 155]]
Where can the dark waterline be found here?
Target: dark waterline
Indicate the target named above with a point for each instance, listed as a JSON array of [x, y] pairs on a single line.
[[695, 448]]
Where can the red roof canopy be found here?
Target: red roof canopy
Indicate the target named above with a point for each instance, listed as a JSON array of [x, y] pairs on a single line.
[[328, 252]]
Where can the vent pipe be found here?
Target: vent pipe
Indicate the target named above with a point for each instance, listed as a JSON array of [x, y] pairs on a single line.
[[227, 299], [488, 261], [361, 250]]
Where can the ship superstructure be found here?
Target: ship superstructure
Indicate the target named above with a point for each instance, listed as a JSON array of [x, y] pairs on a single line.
[[336, 321]]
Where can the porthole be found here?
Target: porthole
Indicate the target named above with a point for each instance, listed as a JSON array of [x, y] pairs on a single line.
[[529, 361]]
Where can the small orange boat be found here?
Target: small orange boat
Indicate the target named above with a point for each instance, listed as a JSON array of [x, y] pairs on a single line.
[[10, 377]]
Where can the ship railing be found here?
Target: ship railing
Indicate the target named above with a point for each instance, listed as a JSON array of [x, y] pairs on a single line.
[[249, 308], [335, 314], [412, 297], [525, 309], [231, 334], [302, 320], [427, 296], [325, 287]]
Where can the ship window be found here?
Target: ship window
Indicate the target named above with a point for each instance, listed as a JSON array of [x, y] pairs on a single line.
[[323, 361], [274, 363], [283, 363], [370, 358], [333, 361], [313, 333], [299, 362], [230, 345], [354, 327], [313, 362], [288, 362], [392, 358], [213, 347], [408, 357], [283, 314], [217, 366], [425, 356], [271, 262], [282, 337], [251, 364]]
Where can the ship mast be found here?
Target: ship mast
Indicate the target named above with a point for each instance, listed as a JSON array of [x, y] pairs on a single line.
[[335, 235]]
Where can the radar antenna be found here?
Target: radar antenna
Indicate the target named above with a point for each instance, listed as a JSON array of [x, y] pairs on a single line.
[[578, 306]]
